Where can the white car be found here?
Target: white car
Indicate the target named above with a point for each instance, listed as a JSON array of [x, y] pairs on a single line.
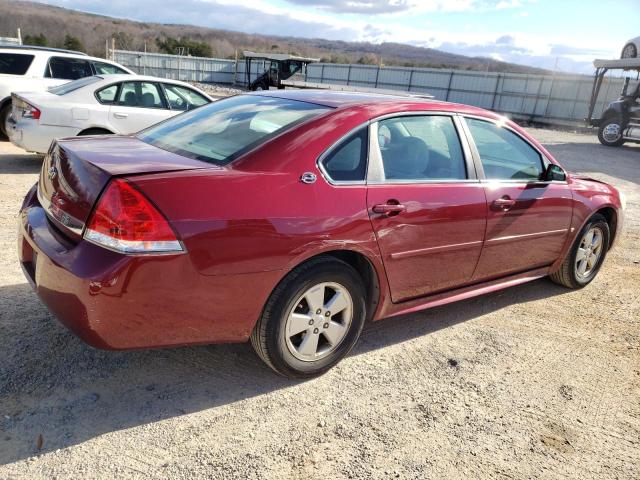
[[38, 68], [98, 105], [631, 48]]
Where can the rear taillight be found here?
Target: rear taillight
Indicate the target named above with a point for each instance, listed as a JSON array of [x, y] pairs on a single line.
[[125, 221], [30, 112]]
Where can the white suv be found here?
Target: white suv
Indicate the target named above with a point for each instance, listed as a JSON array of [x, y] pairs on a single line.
[[35, 69]]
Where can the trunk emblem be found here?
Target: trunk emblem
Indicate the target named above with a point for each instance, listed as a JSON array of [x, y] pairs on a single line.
[[52, 172]]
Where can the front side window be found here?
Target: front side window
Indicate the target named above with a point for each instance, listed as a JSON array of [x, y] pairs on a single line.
[[140, 94], [15, 63], [68, 68], [102, 68], [347, 162], [504, 155], [421, 148], [182, 98], [223, 130]]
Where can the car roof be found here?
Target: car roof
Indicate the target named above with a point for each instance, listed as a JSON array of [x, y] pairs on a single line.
[[41, 49], [339, 99]]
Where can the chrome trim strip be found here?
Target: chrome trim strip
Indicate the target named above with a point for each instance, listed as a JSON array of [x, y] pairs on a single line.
[[69, 222], [375, 172], [438, 249], [515, 238]]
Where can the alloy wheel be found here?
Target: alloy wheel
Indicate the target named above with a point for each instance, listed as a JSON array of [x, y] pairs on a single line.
[[589, 252], [319, 321]]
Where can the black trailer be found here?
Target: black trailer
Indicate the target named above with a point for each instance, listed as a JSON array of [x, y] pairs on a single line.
[[276, 67], [620, 121]]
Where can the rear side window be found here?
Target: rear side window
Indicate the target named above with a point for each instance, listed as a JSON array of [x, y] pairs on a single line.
[[421, 148], [504, 155], [347, 162], [140, 94], [15, 63], [68, 68], [107, 95], [102, 68]]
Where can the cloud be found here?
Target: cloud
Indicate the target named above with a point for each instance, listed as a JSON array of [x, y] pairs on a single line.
[[260, 17], [357, 6], [296, 19]]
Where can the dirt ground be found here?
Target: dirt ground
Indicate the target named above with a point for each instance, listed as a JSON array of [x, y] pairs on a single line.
[[531, 382]]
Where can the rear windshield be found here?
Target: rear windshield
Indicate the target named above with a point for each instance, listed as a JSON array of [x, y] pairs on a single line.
[[224, 130], [74, 85], [15, 63]]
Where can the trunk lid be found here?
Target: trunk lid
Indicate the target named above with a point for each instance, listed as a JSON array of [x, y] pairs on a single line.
[[76, 170]]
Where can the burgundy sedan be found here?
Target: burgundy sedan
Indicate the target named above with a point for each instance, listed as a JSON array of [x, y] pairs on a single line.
[[292, 218]]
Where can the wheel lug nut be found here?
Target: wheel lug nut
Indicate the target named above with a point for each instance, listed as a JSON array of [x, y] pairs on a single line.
[[311, 322], [315, 330], [326, 325], [328, 314], [318, 312]]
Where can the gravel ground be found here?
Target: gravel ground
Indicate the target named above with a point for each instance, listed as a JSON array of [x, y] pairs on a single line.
[[531, 382]]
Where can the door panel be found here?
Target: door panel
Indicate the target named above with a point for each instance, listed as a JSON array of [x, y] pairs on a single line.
[[435, 243], [528, 233], [527, 218], [139, 106]]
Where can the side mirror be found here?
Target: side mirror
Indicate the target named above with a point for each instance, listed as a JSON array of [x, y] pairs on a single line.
[[554, 173]]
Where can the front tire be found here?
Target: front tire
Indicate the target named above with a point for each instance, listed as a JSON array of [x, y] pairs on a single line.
[[586, 255], [312, 319], [610, 132]]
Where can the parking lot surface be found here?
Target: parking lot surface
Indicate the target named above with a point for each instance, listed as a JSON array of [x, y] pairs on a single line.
[[531, 382]]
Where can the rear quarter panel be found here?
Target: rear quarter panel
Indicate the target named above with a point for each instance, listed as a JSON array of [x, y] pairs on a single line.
[[256, 215]]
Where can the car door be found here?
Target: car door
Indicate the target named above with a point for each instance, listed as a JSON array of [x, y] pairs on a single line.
[[527, 219], [426, 206], [140, 104]]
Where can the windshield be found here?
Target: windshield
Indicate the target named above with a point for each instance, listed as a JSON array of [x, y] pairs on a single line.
[[74, 85], [224, 130]]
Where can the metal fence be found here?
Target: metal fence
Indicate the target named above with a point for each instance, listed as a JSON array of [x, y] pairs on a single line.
[[552, 99]]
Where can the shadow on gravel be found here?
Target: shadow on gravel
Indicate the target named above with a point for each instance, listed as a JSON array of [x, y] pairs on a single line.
[[54, 386], [20, 163]]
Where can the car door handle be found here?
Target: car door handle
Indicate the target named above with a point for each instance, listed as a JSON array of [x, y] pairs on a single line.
[[504, 203], [389, 208], [120, 115]]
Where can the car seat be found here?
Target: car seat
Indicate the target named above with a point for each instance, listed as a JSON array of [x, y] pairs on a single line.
[[406, 158]]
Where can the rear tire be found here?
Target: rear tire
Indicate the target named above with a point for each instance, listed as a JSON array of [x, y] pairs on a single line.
[[298, 335], [5, 111], [610, 132], [94, 131], [586, 255]]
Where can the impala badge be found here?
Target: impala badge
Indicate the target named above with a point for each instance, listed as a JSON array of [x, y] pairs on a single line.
[[52, 172], [308, 177]]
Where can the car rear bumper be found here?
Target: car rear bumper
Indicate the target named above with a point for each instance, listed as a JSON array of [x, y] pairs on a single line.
[[34, 137], [115, 301]]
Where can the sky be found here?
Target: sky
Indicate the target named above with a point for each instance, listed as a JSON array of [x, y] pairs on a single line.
[[555, 34]]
